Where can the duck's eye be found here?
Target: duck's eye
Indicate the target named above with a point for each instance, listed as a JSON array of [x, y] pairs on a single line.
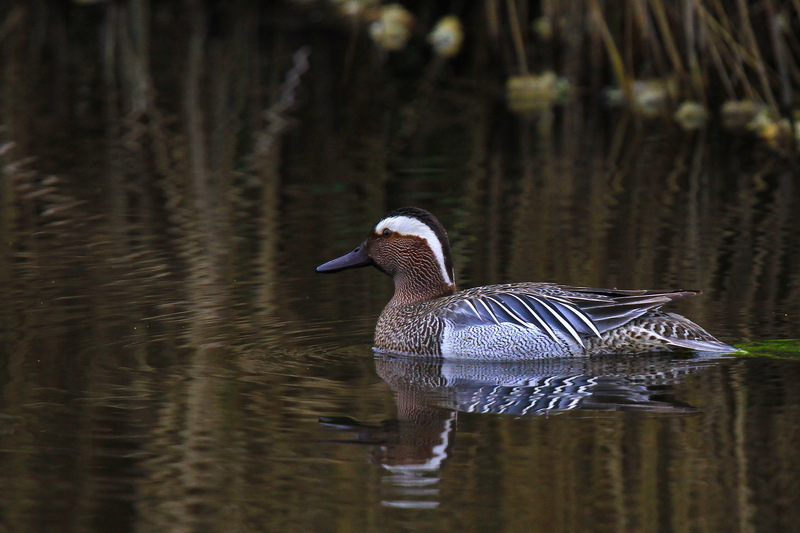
[[387, 232]]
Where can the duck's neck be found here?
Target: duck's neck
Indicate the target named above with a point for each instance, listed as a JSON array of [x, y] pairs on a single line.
[[422, 286]]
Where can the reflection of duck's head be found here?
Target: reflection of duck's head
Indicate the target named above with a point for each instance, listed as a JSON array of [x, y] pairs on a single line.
[[412, 449], [511, 321], [418, 440]]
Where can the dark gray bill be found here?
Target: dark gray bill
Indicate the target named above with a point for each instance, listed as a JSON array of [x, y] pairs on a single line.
[[355, 259]]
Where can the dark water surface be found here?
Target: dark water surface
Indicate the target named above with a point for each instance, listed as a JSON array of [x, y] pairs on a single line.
[[171, 362]]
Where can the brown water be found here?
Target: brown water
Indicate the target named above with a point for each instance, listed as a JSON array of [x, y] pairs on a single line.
[[171, 362]]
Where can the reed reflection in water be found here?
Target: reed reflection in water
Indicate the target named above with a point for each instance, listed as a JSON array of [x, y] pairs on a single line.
[[168, 350]]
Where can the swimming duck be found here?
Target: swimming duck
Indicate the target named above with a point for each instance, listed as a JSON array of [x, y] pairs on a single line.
[[427, 316]]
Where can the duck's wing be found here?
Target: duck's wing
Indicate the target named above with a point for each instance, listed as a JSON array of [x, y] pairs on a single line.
[[612, 308], [557, 317], [561, 312]]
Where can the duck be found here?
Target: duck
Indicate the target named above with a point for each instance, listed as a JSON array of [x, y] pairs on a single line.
[[428, 316]]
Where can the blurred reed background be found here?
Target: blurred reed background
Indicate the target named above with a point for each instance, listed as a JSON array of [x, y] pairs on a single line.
[[173, 171], [638, 143]]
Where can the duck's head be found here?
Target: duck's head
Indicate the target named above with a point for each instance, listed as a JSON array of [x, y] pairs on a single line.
[[411, 246]]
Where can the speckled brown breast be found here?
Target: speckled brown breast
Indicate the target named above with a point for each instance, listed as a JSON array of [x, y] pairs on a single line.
[[409, 328]]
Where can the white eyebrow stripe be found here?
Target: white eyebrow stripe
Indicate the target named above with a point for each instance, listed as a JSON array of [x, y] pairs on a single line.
[[413, 227]]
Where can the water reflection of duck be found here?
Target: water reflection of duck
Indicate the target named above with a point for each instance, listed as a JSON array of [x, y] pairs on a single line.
[[532, 387], [430, 392], [426, 315]]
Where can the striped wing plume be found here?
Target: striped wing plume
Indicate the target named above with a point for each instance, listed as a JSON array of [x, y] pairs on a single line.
[[560, 311], [611, 308], [550, 314]]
